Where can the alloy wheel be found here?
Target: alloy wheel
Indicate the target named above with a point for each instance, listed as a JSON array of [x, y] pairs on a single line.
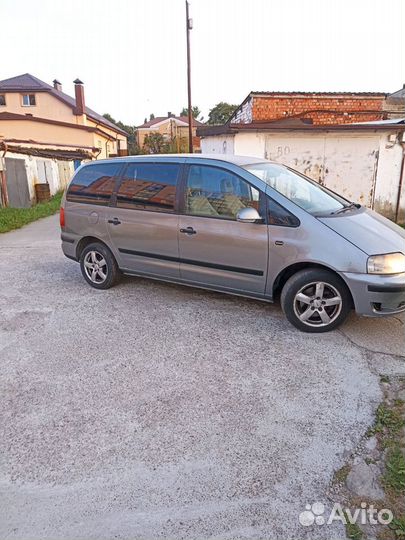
[[95, 267], [317, 304]]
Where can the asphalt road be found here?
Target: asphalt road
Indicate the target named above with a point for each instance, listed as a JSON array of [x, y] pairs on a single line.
[[157, 411]]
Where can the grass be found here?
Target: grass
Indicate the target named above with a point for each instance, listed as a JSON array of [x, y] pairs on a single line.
[[394, 477], [398, 526], [389, 421], [341, 474], [14, 218], [353, 531], [389, 431]]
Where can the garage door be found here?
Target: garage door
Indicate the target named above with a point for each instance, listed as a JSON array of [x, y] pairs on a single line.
[[346, 164], [17, 183]]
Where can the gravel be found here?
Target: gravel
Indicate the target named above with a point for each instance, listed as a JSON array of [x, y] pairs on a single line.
[[159, 411]]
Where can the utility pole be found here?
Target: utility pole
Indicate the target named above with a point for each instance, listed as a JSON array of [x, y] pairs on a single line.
[[189, 26]]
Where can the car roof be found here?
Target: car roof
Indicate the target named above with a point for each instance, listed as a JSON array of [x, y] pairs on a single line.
[[228, 158]]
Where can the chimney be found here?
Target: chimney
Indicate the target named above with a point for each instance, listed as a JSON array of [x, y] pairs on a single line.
[[79, 95], [57, 85], [169, 115]]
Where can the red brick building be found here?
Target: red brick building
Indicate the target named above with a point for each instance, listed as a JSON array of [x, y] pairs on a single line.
[[316, 107]]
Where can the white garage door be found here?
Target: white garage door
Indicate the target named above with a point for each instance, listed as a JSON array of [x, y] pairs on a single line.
[[344, 163]]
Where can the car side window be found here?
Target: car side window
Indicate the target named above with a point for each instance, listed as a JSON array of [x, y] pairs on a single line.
[[93, 184], [216, 192], [149, 186], [278, 215]]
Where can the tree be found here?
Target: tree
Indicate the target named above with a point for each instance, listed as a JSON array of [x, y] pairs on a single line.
[[195, 112], [221, 113], [154, 143], [151, 116], [133, 147]]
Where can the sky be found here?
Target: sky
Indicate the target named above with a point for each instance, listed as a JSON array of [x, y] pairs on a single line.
[[131, 54]]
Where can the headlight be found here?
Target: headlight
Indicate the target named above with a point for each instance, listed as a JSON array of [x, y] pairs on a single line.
[[391, 263]]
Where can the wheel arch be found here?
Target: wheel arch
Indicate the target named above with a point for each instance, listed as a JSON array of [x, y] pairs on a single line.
[[85, 241], [285, 274]]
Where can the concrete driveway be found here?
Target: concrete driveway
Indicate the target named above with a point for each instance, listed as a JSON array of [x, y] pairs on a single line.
[[157, 411]]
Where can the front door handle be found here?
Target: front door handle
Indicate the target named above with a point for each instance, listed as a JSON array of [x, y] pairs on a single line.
[[114, 221], [188, 230]]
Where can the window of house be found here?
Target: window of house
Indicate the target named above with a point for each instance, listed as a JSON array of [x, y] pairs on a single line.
[[216, 192], [94, 184], [149, 186], [2, 99], [28, 100]]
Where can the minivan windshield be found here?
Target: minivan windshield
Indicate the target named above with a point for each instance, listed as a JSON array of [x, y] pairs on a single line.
[[302, 191]]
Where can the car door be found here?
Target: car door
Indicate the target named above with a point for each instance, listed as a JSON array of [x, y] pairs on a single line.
[[215, 249], [144, 224]]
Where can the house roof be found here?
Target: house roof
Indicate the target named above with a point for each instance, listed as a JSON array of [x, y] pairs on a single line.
[[159, 119], [230, 129], [29, 83], [399, 94]]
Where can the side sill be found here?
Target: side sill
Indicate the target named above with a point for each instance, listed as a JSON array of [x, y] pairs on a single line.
[[179, 281]]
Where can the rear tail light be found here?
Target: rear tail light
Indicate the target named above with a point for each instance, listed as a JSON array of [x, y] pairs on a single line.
[[62, 217]]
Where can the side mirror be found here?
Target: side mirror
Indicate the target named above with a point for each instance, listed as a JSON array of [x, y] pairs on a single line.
[[249, 215]]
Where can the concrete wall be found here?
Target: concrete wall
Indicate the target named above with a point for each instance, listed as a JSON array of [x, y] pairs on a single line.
[[387, 183], [364, 167], [57, 173], [218, 145]]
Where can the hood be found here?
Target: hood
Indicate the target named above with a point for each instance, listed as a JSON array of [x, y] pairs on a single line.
[[372, 233]]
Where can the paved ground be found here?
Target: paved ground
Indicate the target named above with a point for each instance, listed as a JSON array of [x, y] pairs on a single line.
[[156, 411]]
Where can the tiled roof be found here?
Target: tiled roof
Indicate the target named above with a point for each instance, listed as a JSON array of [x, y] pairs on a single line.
[[29, 83], [158, 119]]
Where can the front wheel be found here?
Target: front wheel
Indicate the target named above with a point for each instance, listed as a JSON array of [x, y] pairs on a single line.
[[315, 300]]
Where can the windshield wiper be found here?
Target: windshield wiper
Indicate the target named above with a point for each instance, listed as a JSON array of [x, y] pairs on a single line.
[[345, 208]]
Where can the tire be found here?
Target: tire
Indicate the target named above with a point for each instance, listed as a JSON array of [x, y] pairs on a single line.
[[315, 300], [98, 266]]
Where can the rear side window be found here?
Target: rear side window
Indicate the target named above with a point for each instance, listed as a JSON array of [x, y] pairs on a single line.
[[94, 184], [278, 215], [149, 186]]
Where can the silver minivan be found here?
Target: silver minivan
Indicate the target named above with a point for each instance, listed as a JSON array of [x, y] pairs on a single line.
[[238, 225]]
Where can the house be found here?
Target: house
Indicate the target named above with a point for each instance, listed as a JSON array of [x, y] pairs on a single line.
[[364, 161], [45, 133], [318, 107], [174, 130]]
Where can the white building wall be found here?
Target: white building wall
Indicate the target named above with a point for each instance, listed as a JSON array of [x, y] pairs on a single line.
[[363, 167], [343, 162], [218, 145], [41, 170], [388, 173]]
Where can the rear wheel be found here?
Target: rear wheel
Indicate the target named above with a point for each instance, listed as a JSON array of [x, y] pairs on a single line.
[[315, 300], [98, 266]]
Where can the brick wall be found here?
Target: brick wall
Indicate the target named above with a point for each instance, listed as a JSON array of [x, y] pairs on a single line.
[[321, 109]]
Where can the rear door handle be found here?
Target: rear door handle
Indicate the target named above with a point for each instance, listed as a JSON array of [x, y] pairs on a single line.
[[188, 230], [114, 221]]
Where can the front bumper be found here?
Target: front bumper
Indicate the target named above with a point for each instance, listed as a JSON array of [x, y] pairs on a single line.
[[376, 295]]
